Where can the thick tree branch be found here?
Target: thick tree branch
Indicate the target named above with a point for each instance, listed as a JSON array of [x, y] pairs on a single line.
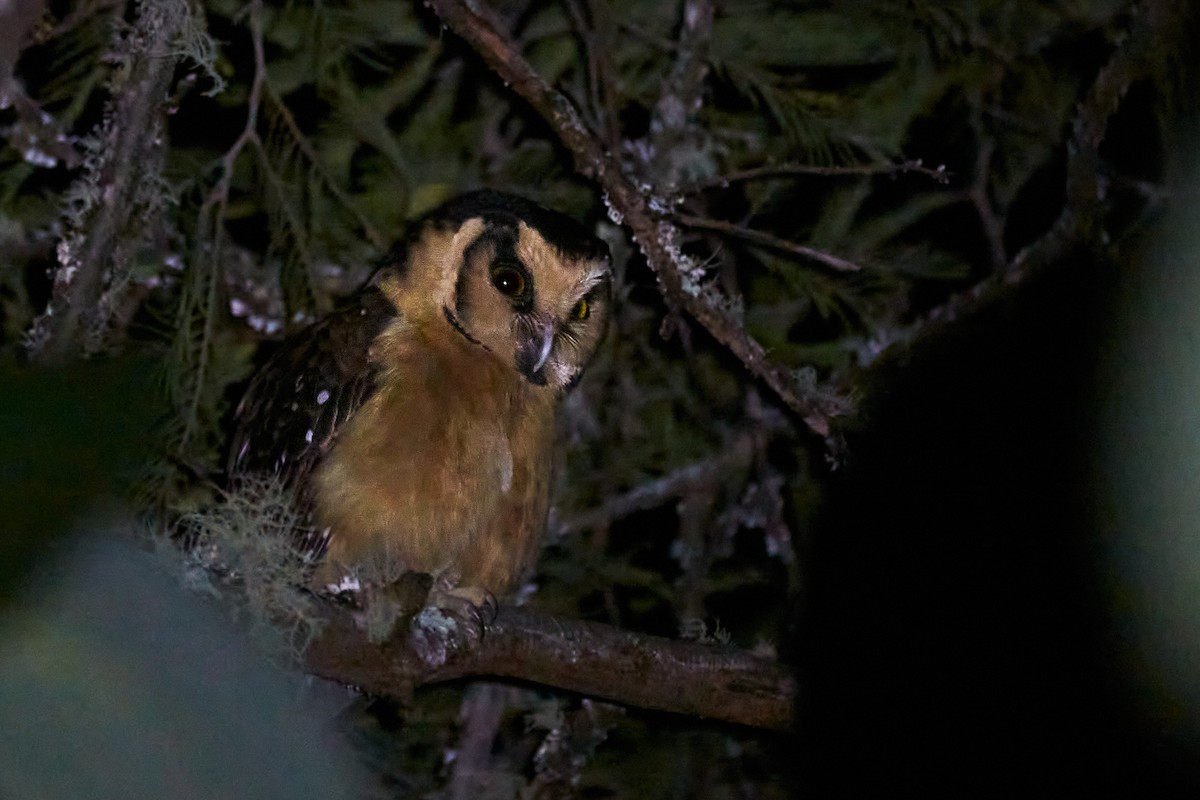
[[711, 681], [657, 238]]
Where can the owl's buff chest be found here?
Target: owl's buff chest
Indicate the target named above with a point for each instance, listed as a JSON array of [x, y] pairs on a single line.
[[429, 464]]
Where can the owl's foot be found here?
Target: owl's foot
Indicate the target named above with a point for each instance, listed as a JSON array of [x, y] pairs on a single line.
[[454, 619], [472, 604], [437, 617]]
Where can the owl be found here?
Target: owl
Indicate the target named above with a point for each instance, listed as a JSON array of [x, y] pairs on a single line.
[[416, 425]]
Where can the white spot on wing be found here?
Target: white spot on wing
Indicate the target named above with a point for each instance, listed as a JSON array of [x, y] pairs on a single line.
[[322, 397], [348, 583], [308, 436]]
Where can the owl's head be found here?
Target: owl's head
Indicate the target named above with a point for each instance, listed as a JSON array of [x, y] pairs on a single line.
[[527, 285]]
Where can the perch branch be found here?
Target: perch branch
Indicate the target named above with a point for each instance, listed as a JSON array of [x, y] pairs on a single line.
[[628, 203], [712, 681]]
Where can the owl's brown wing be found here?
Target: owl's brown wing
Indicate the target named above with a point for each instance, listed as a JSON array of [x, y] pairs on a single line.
[[294, 406]]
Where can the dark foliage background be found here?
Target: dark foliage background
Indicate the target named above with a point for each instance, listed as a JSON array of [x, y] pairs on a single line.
[[923, 212]]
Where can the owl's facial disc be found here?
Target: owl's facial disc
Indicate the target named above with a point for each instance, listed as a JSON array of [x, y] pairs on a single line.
[[531, 304]]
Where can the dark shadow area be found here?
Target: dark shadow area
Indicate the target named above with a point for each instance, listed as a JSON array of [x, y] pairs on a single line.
[[956, 637]]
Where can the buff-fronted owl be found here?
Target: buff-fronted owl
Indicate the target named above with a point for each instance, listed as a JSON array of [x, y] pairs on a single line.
[[416, 425]]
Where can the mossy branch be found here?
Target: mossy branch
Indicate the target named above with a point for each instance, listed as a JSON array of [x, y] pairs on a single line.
[[109, 200]]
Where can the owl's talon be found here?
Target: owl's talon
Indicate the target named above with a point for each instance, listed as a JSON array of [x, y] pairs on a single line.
[[478, 625], [490, 608], [472, 607], [451, 620]]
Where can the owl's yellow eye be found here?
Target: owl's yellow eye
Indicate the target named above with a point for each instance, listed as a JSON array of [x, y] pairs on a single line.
[[581, 310], [508, 280]]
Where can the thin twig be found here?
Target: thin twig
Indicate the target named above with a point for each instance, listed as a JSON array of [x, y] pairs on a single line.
[[219, 196], [81, 14], [940, 174], [212, 213], [654, 493], [767, 240], [980, 199], [260, 89], [599, 72]]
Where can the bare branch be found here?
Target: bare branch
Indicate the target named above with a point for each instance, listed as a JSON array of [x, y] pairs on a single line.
[[940, 174], [1156, 28], [601, 92], [210, 220], [767, 240], [682, 93], [673, 485], [712, 681], [219, 196], [977, 195]]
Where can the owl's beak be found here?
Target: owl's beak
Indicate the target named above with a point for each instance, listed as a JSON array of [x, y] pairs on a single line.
[[534, 352]]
